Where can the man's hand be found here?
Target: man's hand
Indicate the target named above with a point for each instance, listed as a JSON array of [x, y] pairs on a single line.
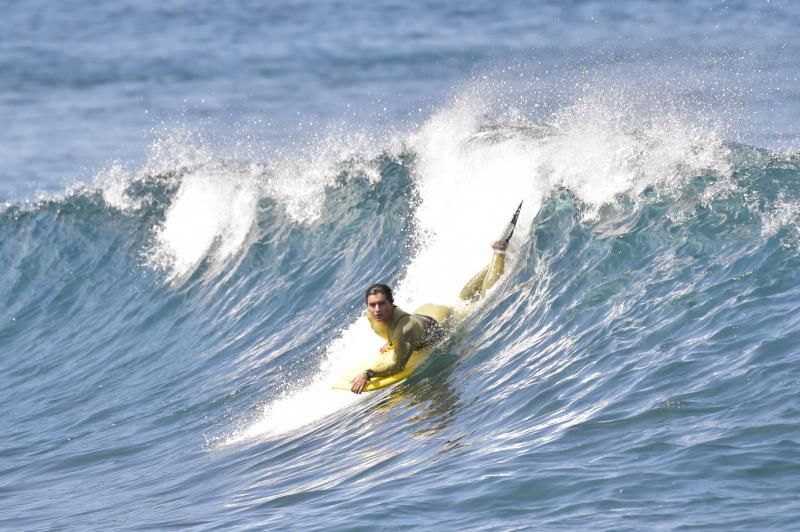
[[359, 382]]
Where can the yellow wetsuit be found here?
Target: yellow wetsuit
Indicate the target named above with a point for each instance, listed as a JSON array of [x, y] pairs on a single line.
[[428, 324], [482, 281]]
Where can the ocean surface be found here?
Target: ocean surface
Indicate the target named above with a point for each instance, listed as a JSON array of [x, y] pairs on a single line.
[[194, 195]]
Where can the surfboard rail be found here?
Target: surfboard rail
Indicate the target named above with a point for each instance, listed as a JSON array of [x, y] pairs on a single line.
[[344, 382]]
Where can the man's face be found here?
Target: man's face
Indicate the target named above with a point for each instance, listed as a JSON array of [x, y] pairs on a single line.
[[379, 307]]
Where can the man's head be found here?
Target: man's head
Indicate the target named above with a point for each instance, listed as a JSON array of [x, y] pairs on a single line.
[[380, 302]]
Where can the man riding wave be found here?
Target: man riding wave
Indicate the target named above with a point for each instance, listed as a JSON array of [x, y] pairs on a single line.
[[405, 332]]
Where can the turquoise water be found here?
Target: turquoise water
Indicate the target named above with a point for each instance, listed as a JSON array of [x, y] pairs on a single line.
[[194, 199]]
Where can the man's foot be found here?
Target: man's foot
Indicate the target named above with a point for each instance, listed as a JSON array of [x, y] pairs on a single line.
[[499, 245]]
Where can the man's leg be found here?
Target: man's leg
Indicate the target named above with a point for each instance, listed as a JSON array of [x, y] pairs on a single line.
[[440, 313], [486, 278]]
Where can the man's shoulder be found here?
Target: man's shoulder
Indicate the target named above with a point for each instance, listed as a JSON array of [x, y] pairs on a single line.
[[408, 324]]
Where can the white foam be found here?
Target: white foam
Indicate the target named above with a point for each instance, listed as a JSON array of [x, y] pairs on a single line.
[[307, 402], [211, 215], [215, 208], [297, 180], [468, 192], [603, 149], [113, 183], [783, 213]]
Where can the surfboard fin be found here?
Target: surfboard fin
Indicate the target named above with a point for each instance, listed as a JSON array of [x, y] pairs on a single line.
[[509, 230]]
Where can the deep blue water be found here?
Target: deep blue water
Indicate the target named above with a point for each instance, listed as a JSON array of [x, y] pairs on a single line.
[[195, 196]]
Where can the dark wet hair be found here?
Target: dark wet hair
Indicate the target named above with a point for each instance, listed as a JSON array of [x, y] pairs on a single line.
[[379, 288]]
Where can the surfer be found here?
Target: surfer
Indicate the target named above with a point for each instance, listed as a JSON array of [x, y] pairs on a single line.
[[405, 332]]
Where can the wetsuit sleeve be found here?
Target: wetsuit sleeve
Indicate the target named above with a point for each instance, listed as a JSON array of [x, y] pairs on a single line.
[[407, 335]]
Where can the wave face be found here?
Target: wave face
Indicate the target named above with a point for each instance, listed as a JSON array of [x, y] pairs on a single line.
[[169, 334]]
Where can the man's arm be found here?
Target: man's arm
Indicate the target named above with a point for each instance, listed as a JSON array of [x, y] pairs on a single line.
[[405, 339], [397, 361]]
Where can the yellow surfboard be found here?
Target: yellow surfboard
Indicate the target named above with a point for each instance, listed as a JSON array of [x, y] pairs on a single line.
[[376, 383]]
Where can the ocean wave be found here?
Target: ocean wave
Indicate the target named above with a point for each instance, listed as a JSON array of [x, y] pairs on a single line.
[[649, 299]]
